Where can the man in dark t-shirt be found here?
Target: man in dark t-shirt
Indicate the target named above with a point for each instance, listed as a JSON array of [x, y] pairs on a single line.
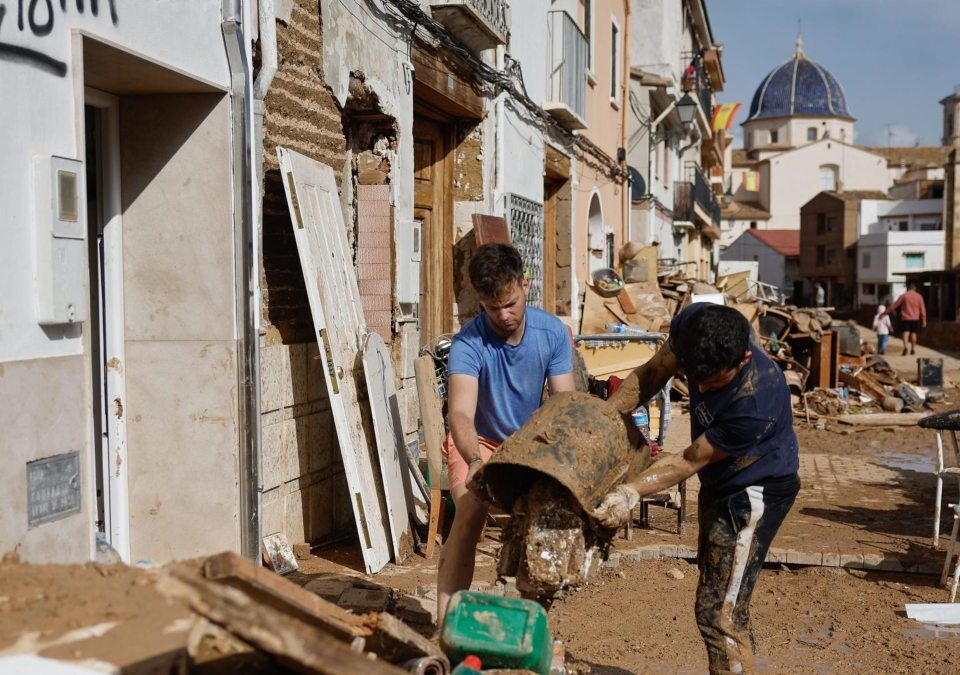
[[745, 453]]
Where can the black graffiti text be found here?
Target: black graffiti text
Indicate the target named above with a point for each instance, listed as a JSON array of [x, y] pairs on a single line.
[[38, 17]]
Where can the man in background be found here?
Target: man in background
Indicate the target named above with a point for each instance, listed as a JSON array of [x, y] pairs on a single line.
[[913, 316]]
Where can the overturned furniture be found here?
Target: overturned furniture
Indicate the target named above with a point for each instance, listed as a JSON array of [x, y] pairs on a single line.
[[550, 476]]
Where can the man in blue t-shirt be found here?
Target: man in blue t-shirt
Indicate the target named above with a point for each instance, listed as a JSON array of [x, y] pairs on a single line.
[[745, 452], [498, 365]]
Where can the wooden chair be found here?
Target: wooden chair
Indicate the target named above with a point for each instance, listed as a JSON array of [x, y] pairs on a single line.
[[431, 417]]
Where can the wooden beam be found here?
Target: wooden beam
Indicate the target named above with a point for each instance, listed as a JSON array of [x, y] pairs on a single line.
[[293, 642], [439, 82]]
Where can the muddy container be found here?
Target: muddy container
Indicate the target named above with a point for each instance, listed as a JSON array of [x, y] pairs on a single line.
[[503, 632]]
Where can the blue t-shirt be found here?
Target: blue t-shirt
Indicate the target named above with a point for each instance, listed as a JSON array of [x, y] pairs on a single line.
[[750, 419], [510, 377]]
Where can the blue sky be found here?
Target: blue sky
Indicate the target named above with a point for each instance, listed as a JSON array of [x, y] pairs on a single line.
[[895, 58]]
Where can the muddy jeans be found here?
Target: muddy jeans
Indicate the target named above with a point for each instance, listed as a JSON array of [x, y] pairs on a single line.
[[735, 534]]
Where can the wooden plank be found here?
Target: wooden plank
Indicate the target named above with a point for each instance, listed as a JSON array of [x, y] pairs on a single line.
[[881, 419], [439, 82], [294, 642], [620, 359], [490, 229], [334, 296], [388, 431], [384, 635], [626, 302], [431, 417], [556, 164]]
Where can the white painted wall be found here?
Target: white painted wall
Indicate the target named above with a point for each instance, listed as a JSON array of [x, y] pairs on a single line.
[[772, 266], [45, 372], [182, 35], [793, 178], [792, 131], [886, 254], [886, 215]]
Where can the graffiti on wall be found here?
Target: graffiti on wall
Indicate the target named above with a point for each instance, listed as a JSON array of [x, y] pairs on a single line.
[[36, 19]]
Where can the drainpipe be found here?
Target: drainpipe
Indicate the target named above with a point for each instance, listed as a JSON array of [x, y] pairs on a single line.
[[626, 219], [246, 277]]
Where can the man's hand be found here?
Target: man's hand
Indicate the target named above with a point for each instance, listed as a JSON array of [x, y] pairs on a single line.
[[616, 508], [474, 466]]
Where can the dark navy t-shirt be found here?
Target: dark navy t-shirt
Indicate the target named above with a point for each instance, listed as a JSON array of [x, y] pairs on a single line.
[[750, 419]]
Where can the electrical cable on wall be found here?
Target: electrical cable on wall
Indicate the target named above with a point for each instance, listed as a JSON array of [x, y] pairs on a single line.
[[506, 80]]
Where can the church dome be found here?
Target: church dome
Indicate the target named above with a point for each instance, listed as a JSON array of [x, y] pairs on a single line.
[[799, 87]]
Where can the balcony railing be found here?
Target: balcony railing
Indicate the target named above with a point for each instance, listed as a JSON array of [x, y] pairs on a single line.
[[568, 51], [481, 24], [694, 201]]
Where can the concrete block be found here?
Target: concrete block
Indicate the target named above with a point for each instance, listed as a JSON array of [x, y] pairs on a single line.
[[364, 599], [271, 368], [686, 552], [272, 454], [872, 561], [851, 560], [776, 555], [416, 610], [271, 512], [302, 551], [612, 561], [831, 559], [668, 550], [810, 558], [891, 563], [296, 391], [328, 589]]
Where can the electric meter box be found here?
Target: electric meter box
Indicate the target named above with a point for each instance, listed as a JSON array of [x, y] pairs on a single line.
[[61, 230]]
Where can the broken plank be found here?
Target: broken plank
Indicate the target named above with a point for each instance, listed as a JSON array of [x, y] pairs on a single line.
[[626, 302], [881, 419], [385, 636], [291, 640]]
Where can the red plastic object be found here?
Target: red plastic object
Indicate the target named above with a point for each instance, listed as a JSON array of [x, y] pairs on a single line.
[[473, 662]]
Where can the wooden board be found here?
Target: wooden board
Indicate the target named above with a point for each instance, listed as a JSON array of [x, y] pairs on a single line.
[[619, 359], [384, 635], [490, 229], [388, 430], [331, 283], [295, 642]]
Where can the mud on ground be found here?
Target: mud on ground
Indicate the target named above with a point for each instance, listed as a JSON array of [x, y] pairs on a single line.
[[637, 619]]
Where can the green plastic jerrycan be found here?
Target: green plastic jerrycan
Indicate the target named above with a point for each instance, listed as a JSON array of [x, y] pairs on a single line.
[[503, 632]]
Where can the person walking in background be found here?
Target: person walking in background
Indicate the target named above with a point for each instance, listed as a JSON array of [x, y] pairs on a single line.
[[883, 327], [819, 295], [913, 316]]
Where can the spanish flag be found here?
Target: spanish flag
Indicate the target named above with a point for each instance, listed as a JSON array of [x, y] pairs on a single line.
[[751, 181], [723, 115]]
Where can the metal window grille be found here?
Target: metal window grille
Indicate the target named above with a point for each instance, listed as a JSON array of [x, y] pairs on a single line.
[[525, 219]]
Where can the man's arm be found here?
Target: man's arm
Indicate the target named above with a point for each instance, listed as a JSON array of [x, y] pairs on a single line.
[[462, 408], [923, 313], [892, 308], [643, 383], [666, 472], [558, 383]]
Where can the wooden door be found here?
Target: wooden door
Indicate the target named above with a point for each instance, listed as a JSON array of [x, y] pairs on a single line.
[[331, 283], [433, 206], [551, 190]]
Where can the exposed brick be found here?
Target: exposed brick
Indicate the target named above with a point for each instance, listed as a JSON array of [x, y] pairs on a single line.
[[368, 208], [374, 230], [372, 177], [374, 193], [375, 271], [375, 303], [370, 255], [376, 287]]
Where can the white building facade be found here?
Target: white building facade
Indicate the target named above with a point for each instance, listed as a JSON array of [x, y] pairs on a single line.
[[897, 238]]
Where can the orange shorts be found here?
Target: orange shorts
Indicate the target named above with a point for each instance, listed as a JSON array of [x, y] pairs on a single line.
[[457, 467]]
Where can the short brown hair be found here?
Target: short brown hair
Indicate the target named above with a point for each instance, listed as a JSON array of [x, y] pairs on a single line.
[[493, 268]]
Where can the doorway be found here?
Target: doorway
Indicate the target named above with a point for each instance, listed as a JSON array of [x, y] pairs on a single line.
[[433, 207], [105, 251]]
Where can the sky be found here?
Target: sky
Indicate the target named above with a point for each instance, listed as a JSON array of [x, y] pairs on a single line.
[[896, 59]]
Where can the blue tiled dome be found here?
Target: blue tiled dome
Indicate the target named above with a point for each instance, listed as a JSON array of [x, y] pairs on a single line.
[[799, 87]]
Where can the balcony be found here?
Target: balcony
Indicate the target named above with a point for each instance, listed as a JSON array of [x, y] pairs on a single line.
[[568, 48], [694, 203], [479, 24]]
